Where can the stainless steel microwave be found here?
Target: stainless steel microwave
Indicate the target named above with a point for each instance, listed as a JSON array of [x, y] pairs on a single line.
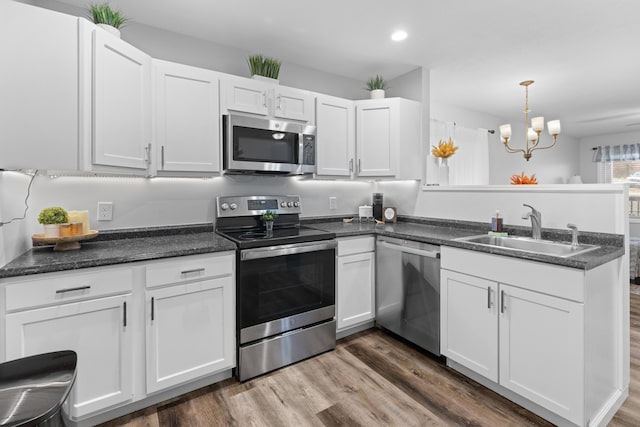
[[256, 145]]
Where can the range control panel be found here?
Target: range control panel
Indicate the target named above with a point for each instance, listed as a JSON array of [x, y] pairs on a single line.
[[234, 206]]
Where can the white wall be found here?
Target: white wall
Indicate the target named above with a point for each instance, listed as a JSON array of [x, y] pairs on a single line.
[[552, 166], [143, 202]]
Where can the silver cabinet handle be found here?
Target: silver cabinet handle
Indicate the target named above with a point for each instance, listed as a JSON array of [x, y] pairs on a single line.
[[502, 304], [162, 157], [124, 321], [278, 104], [153, 309], [264, 99], [147, 150], [195, 270], [350, 165], [79, 288], [489, 297], [359, 165]]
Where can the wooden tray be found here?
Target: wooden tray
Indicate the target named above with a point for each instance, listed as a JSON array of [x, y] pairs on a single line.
[[67, 243]]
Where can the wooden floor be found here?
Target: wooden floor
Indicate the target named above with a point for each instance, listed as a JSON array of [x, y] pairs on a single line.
[[371, 379]]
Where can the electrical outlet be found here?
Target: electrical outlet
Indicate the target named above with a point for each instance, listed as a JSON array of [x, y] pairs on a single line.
[[333, 202], [105, 211]]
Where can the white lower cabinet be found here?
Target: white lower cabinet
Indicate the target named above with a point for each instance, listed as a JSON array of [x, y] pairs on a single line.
[[127, 352], [356, 281], [97, 329], [523, 326], [190, 327]]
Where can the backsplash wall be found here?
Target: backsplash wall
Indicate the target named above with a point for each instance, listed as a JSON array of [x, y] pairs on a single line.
[[147, 202]]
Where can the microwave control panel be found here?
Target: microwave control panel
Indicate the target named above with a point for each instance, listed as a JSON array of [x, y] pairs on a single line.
[[308, 150]]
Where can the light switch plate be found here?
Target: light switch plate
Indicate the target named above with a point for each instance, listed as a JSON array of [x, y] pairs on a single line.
[[105, 211]]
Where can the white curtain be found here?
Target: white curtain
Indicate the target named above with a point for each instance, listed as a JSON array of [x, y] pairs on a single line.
[[470, 164]]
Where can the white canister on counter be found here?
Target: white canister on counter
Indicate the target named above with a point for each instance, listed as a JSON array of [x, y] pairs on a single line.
[[365, 212]]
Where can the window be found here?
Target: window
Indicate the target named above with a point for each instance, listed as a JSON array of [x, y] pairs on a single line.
[[627, 171]]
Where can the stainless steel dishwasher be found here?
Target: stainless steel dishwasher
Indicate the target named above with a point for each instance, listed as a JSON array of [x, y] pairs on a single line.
[[408, 291]]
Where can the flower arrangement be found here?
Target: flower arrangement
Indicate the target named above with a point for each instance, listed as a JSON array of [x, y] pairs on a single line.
[[444, 149], [263, 66], [523, 179], [53, 215]]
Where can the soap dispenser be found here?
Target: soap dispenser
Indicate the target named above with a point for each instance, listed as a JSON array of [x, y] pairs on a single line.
[[496, 223]]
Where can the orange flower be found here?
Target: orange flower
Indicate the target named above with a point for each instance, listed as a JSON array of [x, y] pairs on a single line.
[[523, 179]]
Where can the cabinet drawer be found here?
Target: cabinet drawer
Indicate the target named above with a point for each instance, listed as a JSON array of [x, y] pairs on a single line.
[[356, 245], [184, 269], [60, 288]]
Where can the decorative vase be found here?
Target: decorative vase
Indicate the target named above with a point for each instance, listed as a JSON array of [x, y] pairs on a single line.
[[269, 226], [377, 94], [444, 171], [110, 29], [265, 79], [51, 230]]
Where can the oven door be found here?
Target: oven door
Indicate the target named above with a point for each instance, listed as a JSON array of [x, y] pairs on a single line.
[[282, 288], [253, 144]]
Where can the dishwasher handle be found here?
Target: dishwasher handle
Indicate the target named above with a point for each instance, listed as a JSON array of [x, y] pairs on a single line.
[[409, 250]]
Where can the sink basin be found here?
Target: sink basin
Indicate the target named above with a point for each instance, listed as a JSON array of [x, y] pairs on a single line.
[[526, 244]]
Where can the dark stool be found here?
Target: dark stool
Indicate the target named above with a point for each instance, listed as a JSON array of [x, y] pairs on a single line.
[[33, 389]]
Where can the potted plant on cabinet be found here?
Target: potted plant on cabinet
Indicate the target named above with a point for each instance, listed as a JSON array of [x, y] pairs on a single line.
[[264, 68], [51, 218], [269, 217], [376, 86], [110, 20]]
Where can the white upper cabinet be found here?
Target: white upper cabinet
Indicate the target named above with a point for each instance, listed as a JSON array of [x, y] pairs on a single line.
[[266, 99], [186, 121], [336, 137], [388, 138], [39, 88], [294, 104], [121, 103]]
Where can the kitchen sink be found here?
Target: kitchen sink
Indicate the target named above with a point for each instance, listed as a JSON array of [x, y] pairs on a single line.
[[526, 244]]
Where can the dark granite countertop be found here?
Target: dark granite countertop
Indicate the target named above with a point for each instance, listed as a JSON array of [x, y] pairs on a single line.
[[442, 232], [120, 247], [123, 246]]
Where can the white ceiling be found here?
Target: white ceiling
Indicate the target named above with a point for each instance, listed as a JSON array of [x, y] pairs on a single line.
[[583, 55]]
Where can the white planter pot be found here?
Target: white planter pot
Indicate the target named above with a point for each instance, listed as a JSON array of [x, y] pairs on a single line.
[[265, 79], [51, 230], [108, 28], [377, 94]]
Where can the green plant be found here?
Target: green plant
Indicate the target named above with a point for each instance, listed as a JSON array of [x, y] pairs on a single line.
[[264, 66], [53, 215], [376, 82], [103, 14], [269, 216]]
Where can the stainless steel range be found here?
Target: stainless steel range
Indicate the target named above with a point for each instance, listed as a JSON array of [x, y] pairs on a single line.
[[285, 283]]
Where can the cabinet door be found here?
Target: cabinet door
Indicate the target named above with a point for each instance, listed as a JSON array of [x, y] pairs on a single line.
[[97, 331], [186, 118], [356, 298], [190, 331], [335, 137], [121, 103], [469, 322], [38, 88], [245, 95], [376, 138], [542, 350], [295, 104]]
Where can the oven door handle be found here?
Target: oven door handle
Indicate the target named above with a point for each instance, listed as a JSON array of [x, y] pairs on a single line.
[[280, 250]]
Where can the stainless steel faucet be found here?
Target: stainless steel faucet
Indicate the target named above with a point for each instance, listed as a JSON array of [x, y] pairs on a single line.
[[536, 221], [574, 234]]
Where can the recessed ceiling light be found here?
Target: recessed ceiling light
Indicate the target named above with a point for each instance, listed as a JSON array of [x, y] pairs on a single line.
[[399, 35]]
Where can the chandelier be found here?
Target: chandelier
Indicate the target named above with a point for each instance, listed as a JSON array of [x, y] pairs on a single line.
[[532, 134]]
